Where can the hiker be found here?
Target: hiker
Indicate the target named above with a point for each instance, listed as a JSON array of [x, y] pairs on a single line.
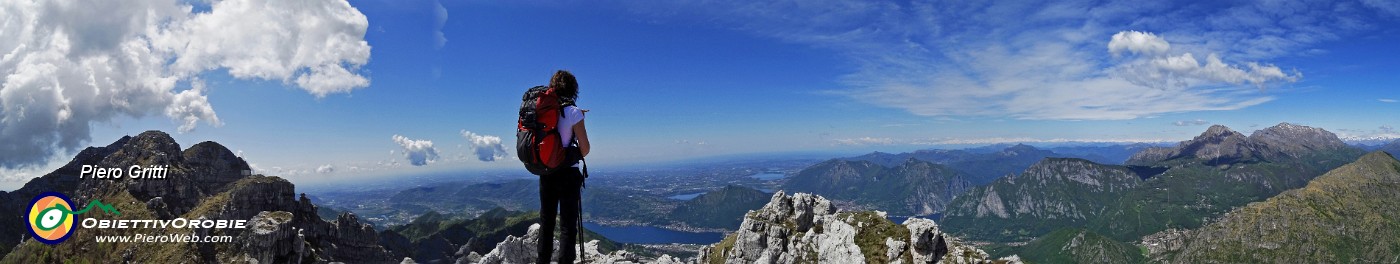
[[559, 190]]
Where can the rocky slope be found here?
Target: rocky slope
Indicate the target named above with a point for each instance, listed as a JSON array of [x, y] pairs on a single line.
[[1055, 193], [914, 187], [1346, 215], [204, 181], [805, 228]]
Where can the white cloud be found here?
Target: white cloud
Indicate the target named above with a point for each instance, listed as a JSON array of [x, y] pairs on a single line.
[[1386, 100], [66, 65], [440, 20], [485, 147], [1185, 72], [418, 152], [325, 169], [1044, 59], [1137, 42], [1196, 122]]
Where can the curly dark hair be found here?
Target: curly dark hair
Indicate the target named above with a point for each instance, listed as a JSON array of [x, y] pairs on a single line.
[[565, 84]]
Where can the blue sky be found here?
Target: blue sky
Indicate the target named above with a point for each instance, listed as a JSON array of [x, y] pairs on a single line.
[[686, 79]]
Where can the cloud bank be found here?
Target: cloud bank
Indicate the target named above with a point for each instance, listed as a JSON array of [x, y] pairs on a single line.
[[418, 152], [485, 147], [68, 64]]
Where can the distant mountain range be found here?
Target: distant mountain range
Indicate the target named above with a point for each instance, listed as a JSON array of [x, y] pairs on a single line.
[[1163, 187], [923, 182], [986, 164]]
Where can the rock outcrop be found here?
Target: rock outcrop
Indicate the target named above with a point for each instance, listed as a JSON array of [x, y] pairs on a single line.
[[522, 250], [805, 228]]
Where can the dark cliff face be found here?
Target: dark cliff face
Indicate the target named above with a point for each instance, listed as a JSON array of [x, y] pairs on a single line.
[[204, 181]]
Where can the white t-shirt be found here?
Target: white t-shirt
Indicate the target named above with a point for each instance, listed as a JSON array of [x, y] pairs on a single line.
[[572, 116]]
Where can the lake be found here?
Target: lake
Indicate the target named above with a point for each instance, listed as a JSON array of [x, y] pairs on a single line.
[[652, 235], [767, 176], [900, 219], [685, 196]]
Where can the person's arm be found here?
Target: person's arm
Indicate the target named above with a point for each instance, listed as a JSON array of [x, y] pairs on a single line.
[[581, 134]]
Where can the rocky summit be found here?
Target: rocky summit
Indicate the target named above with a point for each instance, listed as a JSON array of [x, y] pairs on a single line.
[[1221, 145], [805, 228], [205, 181]]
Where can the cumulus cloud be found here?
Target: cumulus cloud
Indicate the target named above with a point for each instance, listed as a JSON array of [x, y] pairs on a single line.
[[1046, 60], [418, 152], [1196, 122], [325, 169], [67, 64], [1137, 42], [1163, 71], [485, 147]]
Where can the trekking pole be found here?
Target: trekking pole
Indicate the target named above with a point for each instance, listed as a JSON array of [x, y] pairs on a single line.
[[582, 256]]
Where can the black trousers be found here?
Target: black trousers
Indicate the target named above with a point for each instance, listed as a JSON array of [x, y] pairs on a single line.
[[559, 196]]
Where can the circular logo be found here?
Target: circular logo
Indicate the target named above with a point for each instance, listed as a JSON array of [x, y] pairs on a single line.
[[50, 217]]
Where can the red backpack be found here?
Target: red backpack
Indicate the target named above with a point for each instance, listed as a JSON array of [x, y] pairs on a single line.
[[537, 140]]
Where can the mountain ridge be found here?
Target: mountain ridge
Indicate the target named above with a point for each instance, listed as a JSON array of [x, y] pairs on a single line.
[[914, 187], [203, 181], [1335, 218]]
